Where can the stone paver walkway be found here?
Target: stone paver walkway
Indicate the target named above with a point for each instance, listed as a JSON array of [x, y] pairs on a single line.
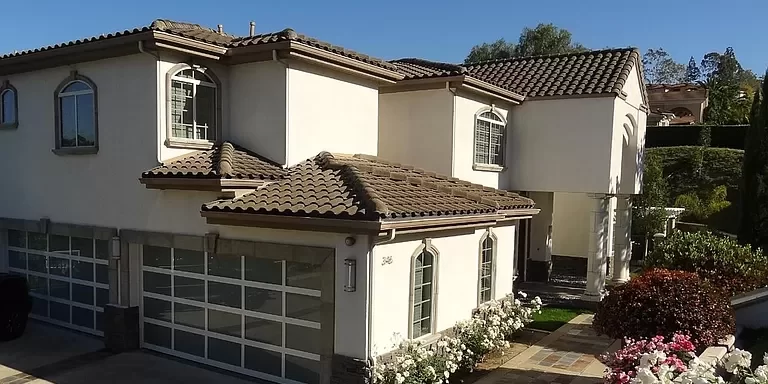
[[566, 356]]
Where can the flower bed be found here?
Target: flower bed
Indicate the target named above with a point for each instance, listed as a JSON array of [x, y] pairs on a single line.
[[489, 330]]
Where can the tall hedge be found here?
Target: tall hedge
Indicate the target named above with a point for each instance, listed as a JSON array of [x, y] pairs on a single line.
[[720, 136], [754, 215]]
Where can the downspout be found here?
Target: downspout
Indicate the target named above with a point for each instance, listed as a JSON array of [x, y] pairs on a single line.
[[287, 103], [454, 94], [390, 238]]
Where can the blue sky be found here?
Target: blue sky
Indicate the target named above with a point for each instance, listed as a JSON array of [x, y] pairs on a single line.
[[436, 30]]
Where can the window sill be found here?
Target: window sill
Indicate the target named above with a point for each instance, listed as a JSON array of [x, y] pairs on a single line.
[[76, 151], [429, 339], [487, 167], [9, 126], [188, 144]]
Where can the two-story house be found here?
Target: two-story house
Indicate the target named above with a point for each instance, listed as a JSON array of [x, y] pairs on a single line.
[[281, 207]]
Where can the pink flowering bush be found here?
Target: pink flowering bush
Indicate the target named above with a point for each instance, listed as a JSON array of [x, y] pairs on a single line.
[[623, 366]]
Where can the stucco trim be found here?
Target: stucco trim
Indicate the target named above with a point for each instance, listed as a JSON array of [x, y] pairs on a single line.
[[7, 86], [63, 229], [487, 167], [177, 142], [426, 245], [85, 150], [494, 257]]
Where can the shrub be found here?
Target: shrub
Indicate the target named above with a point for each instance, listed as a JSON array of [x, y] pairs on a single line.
[[622, 366], [699, 208], [721, 261], [664, 302]]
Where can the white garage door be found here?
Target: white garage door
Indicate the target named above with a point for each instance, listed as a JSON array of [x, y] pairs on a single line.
[[261, 317], [68, 277]]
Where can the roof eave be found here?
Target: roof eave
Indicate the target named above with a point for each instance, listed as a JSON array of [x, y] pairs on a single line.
[[199, 184], [300, 223], [458, 81], [484, 87]]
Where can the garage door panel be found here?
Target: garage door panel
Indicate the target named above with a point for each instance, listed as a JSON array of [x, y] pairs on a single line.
[[82, 270], [268, 317], [82, 317]]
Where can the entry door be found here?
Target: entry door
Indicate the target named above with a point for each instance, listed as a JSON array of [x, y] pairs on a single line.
[[67, 276], [265, 317]]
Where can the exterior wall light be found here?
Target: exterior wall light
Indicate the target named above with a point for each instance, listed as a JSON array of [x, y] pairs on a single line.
[[351, 285], [116, 248], [350, 241]]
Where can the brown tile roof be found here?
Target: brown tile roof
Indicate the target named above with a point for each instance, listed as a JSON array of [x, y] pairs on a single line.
[[584, 73], [223, 161], [369, 188], [211, 36]]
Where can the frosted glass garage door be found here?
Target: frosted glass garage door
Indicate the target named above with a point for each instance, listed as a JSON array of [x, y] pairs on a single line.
[[68, 277], [259, 317]]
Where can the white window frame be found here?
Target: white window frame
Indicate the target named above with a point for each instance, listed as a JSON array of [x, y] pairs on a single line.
[[5, 88], [59, 94], [489, 235], [214, 132], [426, 246], [487, 164]]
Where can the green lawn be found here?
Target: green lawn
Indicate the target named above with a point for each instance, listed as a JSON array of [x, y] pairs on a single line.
[[552, 318]]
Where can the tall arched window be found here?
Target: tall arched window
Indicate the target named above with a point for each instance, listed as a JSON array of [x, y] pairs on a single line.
[[487, 268], [489, 138], [76, 123], [423, 286], [193, 106], [8, 106]]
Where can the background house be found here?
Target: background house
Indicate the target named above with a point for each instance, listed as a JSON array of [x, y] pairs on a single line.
[[676, 104]]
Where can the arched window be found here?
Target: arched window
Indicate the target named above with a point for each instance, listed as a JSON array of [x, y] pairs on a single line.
[[193, 106], [76, 123], [423, 289], [489, 138], [487, 268], [8, 106]]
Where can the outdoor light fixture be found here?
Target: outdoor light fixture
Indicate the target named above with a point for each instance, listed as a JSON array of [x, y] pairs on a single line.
[[351, 264], [116, 248]]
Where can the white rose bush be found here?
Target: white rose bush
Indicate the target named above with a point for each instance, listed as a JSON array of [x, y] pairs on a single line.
[[489, 330]]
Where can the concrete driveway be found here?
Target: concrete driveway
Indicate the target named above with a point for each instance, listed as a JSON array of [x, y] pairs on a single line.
[[48, 354]]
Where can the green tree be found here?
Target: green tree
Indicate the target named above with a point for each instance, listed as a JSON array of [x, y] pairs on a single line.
[[731, 88], [660, 68], [754, 207], [544, 39], [699, 208], [648, 214], [692, 73]]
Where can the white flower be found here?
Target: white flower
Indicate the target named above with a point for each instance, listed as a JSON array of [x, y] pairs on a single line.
[[399, 378], [737, 360], [522, 294]]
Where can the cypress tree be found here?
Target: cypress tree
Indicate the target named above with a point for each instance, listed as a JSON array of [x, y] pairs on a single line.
[[754, 207]]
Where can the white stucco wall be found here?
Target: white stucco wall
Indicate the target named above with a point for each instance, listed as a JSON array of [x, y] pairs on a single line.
[[570, 227], [628, 138], [329, 111], [540, 224], [561, 145], [257, 108], [468, 105], [416, 128], [457, 281]]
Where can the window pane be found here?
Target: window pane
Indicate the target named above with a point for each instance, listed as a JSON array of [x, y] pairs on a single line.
[[68, 121], [157, 309], [189, 343], [264, 270], [82, 317], [17, 260], [200, 75], [265, 331], [86, 121], [263, 300], [82, 294], [40, 307], [225, 266], [37, 241], [76, 86], [82, 270], [261, 360], [224, 294], [189, 315], [224, 351], [59, 289], [157, 335], [224, 322], [38, 285], [302, 370], [303, 338], [181, 109], [303, 307], [59, 311], [58, 266], [9, 107], [37, 263], [158, 257], [157, 283], [302, 275], [206, 112], [192, 289], [17, 238], [102, 297], [59, 244], [102, 249], [189, 261], [82, 247], [102, 273]]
